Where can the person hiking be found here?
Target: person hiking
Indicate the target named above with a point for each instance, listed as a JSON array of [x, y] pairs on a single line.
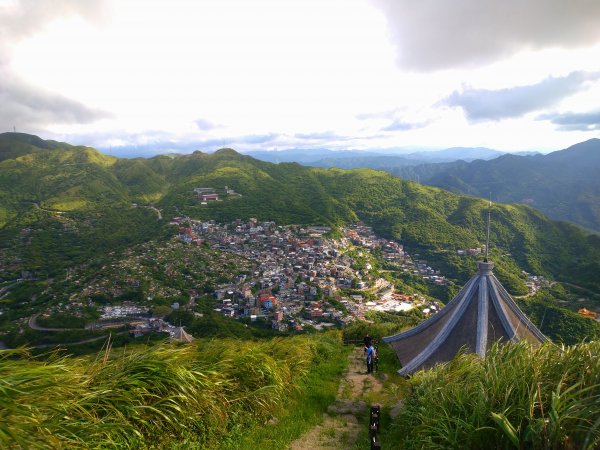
[[370, 351]]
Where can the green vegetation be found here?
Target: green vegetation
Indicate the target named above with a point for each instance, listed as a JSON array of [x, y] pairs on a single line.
[[304, 407], [66, 208], [517, 397], [560, 324], [563, 185], [168, 396], [48, 244], [384, 324], [213, 324], [69, 227], [64, 320], [43, 338], [554, 313], [429, 221], [96, 192]]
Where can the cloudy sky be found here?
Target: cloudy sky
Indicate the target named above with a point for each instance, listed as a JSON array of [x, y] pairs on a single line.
[[164, 75]]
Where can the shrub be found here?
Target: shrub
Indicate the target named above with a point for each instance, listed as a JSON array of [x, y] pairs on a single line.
[[517, 397]]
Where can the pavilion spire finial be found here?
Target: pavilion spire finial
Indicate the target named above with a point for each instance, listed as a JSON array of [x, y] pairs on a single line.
[[487, 239]]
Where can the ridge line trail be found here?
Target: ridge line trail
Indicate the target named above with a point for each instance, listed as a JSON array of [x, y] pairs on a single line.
[[347, 415]]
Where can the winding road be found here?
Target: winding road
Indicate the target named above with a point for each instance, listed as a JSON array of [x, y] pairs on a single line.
[[158, 213], [34, 326]]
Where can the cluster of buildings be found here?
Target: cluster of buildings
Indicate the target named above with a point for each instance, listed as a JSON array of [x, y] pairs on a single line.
[[292, 276], [300, 276], [139, 318], [536, 282], [123, 310], [209, 194], [393, 252], [471, 251]]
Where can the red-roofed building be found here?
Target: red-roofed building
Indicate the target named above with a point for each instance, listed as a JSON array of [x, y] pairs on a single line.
[[588, 313], [209, 197]]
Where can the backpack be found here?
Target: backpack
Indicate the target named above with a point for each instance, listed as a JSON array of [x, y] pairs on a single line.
[[370, 353]]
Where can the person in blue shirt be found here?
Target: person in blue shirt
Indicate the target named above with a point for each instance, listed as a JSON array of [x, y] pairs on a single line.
[[370, 352]]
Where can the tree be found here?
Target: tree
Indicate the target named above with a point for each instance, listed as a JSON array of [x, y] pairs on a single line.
[[161, 311]]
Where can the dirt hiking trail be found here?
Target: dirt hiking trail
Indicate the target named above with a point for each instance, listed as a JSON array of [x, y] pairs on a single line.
[[342, 423]]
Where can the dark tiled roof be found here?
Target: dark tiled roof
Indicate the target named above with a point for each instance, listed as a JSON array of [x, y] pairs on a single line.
[[480, 314]]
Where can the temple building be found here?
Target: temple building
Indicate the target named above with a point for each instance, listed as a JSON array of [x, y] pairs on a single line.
[[480, 314], [180, 335]]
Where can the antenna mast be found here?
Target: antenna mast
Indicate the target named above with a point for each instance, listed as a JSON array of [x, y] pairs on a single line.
[[487, 239]]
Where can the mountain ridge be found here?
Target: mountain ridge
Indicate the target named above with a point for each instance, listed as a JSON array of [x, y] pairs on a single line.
[[563, 184], [80, 183]]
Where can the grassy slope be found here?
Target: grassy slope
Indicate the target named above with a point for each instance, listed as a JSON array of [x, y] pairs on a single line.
[[202, 395], [302, 410], [70, 200], [518, 397]]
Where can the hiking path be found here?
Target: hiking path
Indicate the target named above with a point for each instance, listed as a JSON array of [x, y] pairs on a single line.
[[345, 417]]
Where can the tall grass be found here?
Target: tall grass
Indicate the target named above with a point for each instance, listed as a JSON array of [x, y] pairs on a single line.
[[517, 397], [302, 409], [161, 396]]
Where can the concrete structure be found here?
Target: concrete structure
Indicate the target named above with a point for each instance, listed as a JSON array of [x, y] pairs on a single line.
[[480, 314]]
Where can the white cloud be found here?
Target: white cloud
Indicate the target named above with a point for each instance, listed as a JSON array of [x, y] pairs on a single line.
[[570, 121], [432, 35], [486, 104], [24, 104], [28, 107], [270, 74]]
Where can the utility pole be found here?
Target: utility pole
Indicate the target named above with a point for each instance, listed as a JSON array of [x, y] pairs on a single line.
[[487, 239]]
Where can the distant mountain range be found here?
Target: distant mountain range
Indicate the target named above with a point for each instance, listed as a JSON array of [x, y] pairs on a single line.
[[350, 159], [61, 204], [564, 184]]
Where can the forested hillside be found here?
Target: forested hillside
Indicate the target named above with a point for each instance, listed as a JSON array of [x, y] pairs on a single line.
[[563, 185], [80, 202]]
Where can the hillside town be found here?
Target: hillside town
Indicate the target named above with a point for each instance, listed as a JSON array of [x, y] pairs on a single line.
[[302, 276], [288, 276]]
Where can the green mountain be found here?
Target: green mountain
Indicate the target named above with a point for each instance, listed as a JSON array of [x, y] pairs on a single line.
[[61, 205], [65, 205], [563, 184], [435, 222], [75, 202]]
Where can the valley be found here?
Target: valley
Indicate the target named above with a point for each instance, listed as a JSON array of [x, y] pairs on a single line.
[[194, 246], [231, 225], [221, 269]]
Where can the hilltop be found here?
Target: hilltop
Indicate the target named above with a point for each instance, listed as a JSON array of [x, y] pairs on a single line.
[[562, 184]]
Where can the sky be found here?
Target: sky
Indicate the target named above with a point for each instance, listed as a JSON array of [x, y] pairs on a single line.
[[151, 76]]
